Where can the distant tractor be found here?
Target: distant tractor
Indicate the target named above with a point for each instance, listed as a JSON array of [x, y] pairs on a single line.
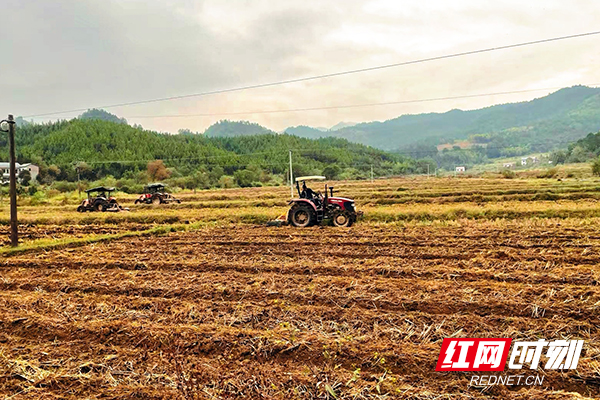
[[313, 208], [99, 199], [154, 193]]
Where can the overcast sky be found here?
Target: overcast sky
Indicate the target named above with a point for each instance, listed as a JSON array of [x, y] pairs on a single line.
[[69, 54]]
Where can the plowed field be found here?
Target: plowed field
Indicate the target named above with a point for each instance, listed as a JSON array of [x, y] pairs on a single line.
[[245, 310]]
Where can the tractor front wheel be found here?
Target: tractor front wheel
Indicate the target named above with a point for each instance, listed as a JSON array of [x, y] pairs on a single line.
[[302, 217], [137, 201], [80, 209], [342, 220]]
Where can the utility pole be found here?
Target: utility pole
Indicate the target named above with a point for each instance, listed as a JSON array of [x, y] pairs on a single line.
[[291, 177], [427, 170], [78, 180], [371, 173], [14, 235]]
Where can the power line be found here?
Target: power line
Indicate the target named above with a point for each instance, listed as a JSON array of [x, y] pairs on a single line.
[[348, 105], [323, 76]]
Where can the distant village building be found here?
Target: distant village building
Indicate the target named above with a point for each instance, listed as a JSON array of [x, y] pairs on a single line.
[[508, 165], [4, 172], [33, 170], [524, 161], [535, 160], [460, 170]]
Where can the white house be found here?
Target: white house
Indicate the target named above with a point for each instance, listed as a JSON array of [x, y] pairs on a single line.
[[459, 170], [508, 165], [34, 170], [524, 161]]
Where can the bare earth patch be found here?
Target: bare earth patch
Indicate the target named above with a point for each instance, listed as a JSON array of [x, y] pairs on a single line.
[[285, 313]]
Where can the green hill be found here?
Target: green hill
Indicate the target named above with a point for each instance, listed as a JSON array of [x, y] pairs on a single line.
[[316, 133], [103, 115], [236, 128], [538, 125], [580, 151], [101, 148], [307, 132]]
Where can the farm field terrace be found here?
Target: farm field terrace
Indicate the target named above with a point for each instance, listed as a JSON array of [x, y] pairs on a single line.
[[223, 306], [383, 201]]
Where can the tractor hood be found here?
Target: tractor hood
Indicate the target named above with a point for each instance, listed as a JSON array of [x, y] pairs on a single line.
[[341, 199]]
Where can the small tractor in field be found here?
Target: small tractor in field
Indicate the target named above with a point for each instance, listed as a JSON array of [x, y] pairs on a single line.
[[312, 207], [99, 199], [154, 193]]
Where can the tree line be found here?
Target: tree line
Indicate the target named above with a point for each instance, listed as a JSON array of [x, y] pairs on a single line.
[[92, 150]]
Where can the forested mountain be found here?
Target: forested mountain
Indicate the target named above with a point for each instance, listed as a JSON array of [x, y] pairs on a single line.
[[590, 143], [236, 128], [537, 125], [585, 149], [581, 150], [103, 115], [316, 133], [341, 125], [307, 132], [101, 148], [100, 144]]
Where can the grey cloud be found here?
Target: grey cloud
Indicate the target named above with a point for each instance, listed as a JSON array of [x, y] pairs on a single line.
[[83, 53], [91, 52]]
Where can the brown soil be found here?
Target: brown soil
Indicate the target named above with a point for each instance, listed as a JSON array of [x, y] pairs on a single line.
[[286, 313]]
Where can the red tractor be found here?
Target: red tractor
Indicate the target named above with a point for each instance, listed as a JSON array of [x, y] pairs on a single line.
[[312, 207], [154, 193]]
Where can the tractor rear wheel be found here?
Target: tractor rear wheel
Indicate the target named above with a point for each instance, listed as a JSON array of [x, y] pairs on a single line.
[[302, 217], [342, 220], [100, 207], [156, 201]]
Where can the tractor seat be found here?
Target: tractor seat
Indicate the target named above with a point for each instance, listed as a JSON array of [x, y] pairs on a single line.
[[308, 194]]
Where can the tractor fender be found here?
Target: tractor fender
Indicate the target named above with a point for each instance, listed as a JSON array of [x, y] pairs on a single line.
[[298, 201], [303, 201]]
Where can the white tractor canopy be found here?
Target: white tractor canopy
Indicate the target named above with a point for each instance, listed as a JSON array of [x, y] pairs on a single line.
[[310, 178]]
